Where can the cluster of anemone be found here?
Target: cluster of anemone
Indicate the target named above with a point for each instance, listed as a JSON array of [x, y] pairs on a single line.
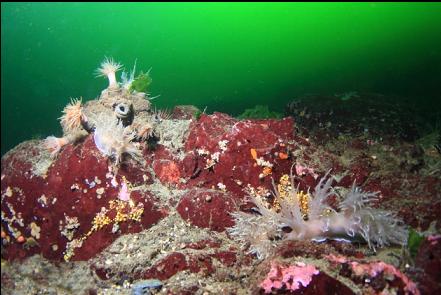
[[113, 135], [353, 219]]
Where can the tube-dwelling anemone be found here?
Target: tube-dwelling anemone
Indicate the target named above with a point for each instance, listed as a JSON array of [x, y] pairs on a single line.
[[72, 115], [144, 131], [160, 115], [108, 68]]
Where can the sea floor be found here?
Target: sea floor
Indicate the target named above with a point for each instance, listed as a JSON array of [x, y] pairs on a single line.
[[67, 229]]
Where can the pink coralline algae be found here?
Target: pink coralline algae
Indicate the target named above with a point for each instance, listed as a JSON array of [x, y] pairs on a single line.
[[302, 170], [289, 277], [434, 239], [375, 268]]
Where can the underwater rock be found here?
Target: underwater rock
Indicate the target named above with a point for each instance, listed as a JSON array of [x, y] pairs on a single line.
[[136, 174], [195, 263], [288, 249], [21, 189], [221, 152], [167, 171], [118, 118], [207, 208], [166, 167], [74, 206], [185, 112], [73, 212], [177, 262], [428, 259], [325, 117], [326, 285], [373, 276], [358, 171], [211, 129], [224, 159], [143, 287], [168, 267], [203, 244], [415, 198]]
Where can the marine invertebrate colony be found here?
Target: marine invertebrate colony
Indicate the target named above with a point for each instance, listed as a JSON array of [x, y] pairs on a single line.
[[308, 216], [118, 103]]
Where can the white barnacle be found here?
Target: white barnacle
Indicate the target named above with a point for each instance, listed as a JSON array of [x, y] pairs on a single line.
[[202, 152], [223, 145], [261, 162], [221, 186]]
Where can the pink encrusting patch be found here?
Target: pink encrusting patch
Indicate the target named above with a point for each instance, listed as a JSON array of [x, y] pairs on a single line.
[[291, 277], [434, 239], [375, 268], [302, 170], [372, 269], [124, 194]]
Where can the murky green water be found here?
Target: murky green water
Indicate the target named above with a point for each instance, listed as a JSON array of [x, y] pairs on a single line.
[[223, 56]]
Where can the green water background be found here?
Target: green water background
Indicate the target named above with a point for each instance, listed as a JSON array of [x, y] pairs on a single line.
[[223, 56]]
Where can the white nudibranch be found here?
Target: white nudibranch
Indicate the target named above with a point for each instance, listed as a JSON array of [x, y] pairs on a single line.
[[355, 219]]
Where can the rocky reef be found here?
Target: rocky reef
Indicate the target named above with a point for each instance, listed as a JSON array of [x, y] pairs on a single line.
[[152, 203]]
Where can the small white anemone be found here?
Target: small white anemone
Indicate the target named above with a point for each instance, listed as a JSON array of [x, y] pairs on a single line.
[[108, 68], [54, 144]]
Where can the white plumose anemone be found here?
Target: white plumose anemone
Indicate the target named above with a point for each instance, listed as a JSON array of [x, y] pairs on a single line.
[[113, 140], [108, 68]]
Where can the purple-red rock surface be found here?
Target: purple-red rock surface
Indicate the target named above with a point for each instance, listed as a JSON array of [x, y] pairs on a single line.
[[73, 207]]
